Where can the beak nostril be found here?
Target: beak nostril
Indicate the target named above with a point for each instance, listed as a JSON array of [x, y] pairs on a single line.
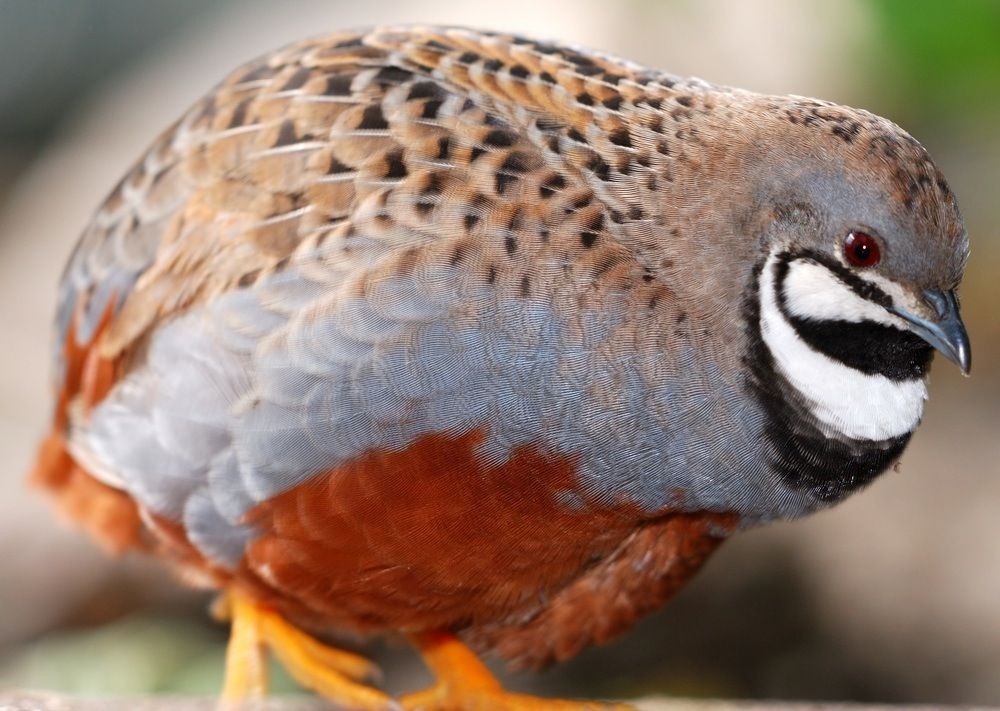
[[946, 332], [937, 301]]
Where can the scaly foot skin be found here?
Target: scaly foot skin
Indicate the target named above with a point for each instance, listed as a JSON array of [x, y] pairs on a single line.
[[465, 684], [331, 673]]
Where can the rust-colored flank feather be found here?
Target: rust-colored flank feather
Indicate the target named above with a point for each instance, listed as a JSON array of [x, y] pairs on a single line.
[[108, 514], [353, 547]]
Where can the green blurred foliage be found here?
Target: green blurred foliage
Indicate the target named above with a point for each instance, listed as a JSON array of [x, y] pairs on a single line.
[[139, 654], [942, 57]]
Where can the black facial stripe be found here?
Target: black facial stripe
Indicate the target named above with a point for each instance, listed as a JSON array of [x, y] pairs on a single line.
[[829, 467], [869, 347], [872, 348]]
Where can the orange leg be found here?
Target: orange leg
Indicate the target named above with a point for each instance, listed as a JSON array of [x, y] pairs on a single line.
[[465, 684], [257, 629]]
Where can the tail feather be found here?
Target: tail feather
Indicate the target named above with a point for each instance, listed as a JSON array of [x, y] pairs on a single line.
[[106, 513]]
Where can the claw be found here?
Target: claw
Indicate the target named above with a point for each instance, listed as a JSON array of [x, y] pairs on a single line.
[[465, 684]]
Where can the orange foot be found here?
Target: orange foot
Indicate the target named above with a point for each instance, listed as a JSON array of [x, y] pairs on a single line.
[[332, 673], [465, 684]]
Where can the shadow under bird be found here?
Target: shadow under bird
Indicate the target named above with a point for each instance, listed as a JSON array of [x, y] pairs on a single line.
[[487, 342]]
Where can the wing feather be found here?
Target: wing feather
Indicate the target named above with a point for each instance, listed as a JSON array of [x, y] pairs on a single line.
[[348, 243]]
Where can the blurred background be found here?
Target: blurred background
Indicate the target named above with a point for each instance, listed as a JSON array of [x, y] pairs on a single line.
[[893, 596]]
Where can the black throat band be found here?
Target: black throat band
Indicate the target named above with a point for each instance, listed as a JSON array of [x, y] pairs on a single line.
[[799, 448], [866, 346]]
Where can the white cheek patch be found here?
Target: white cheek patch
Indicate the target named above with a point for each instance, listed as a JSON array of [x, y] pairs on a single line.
[[814, 292], [852, 403]]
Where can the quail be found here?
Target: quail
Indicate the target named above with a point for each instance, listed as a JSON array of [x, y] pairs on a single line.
[[488, 343]]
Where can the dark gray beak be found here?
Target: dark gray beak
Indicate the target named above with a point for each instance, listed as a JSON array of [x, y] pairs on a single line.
[[947, 332]]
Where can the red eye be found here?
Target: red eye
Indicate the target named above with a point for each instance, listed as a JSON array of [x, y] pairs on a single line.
[[861, 249]]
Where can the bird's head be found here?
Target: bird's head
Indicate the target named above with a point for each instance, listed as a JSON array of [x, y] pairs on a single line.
[[845, 248], [864, 227], [842, 244], [861, 251]]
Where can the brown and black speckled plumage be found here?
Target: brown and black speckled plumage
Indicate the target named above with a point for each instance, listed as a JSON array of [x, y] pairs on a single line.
[[479, 140]]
